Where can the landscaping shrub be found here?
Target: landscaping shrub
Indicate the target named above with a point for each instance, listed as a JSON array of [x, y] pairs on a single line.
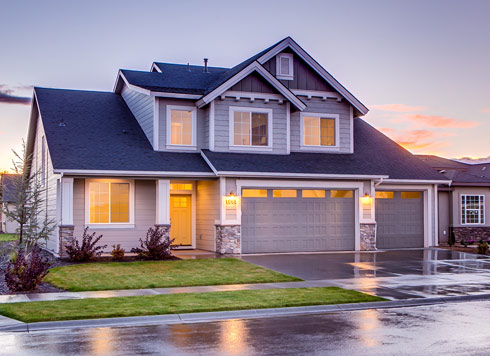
[[117, 252], [482, 247], [25, 271], [155, 246], [464, 242], [88, 250]]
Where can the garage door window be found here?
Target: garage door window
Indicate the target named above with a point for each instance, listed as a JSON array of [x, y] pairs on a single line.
[[284, 193], [410, 195], [341, 194], [254, 193], [313, 193], [472, 209], [384, 195]]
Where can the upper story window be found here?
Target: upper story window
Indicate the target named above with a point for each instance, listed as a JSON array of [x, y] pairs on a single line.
[[319, 130], [250, 128], [472, 209], [284, 66], [181, 127], [109, 201]]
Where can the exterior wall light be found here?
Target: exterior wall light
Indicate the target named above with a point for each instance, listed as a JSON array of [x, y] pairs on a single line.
[[366, 199], [231, 201]]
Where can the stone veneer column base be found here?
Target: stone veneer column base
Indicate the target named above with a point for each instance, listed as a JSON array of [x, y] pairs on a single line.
[[228, 239], [165, 228], [368, 237], [66, 238], [471, 233]]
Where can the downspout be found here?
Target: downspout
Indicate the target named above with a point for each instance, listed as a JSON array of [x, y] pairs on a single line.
[[379, 182]]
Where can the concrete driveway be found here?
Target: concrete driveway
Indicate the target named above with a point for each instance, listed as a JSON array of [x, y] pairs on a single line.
[[395, 274]]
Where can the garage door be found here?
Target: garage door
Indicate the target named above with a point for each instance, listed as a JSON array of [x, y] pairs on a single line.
[[400, 219], [291, 220]]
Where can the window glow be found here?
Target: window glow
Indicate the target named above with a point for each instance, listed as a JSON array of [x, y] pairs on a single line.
[[108, 202], [313, 193], [180, 186], [341, 194], [254, 193], [384, 195], [250, 128], [410, 195], [181, 127], [318, 131], [284, 193]]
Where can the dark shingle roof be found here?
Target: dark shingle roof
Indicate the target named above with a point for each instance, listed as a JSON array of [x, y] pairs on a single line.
[[465, 177], [100, 133], [441, 162], [8, 187], [374, 154], [480, 170]]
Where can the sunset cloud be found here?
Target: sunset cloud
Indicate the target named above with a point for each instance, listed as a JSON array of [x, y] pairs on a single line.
[[418, 141], [402, 108], [7, 96], [486, 110], [441, 121]]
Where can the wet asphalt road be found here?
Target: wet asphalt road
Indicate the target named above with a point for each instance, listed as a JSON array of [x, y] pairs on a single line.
[[450, 329]]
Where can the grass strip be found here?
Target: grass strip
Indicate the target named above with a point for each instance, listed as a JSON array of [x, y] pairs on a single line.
[[181, 303], [8, 237], [161, 274]]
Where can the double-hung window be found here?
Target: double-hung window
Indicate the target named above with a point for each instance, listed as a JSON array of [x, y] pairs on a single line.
[[109, 202], [181, 127], [319, 130], [472, 209], [250, 128]]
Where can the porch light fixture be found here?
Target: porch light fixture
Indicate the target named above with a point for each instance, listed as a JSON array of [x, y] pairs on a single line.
[[366, 199]]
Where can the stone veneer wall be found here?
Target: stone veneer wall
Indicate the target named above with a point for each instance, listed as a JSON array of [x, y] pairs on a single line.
[[66, 238], [472, 233], [228, 239], [368, 237]]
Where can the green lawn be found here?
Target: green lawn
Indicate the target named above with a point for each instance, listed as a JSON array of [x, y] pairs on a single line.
[[160, 274], [8, 237], [181, 303]]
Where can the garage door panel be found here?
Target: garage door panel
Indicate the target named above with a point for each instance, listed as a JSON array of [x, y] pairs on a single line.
[[400, 221], [297, 224]]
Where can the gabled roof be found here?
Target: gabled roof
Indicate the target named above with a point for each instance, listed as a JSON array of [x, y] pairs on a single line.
[[8, 187], [101, 134], [441, 162], [374, 155]]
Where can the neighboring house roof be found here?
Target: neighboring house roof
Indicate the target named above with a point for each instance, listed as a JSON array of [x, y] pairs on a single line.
[[101, 133], [374, 154], [459, 172], [8, 187]]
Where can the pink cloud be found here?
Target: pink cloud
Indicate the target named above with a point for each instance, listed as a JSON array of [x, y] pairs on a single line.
[[418, 141], [398, 108], [486, 110], [441, 121]]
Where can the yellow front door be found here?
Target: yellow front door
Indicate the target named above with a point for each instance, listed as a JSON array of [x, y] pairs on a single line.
[[181, 219]]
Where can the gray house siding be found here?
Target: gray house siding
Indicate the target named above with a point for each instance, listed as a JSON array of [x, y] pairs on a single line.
[[141, 106], [207, 213], [144, 215], [201, 119], [253, 83], [330, 106], [222, 123]]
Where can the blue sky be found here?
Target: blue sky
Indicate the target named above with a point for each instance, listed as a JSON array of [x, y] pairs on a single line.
[[422, 67]]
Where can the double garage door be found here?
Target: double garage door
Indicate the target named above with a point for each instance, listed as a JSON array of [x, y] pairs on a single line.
[[400, 219], [292, 220]]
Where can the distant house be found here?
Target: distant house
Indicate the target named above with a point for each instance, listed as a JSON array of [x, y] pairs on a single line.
[[7, 197], [270, 155], [464, 204]]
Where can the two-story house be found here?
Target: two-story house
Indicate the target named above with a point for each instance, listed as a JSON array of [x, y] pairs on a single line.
[[268, 156]]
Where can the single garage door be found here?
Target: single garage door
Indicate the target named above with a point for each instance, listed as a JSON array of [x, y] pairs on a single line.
[[400, 219], [291, 220]]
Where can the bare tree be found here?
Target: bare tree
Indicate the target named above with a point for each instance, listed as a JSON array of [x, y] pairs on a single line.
[[29, 205]]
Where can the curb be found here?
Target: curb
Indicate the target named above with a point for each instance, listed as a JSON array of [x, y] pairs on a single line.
[[12, 325]]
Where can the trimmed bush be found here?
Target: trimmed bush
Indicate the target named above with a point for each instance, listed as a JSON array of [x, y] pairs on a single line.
[[155, 246], [88, 250]]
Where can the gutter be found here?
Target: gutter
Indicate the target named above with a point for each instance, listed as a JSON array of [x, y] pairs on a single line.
[[112, 173]]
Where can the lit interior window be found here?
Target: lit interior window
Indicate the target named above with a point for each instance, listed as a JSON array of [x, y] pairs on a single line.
[[313, 193], [108, 202], [318, 131], [284, 193], [341, 194], [384, 195], [254, 193], [250, 128], [181, 127], [180, 186], [410, 195]]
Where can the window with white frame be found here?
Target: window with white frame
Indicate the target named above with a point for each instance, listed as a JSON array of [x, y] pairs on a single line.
[[284, 66], [181, 126], [319, 130], [472, 209], [250, 127], [109, 201]]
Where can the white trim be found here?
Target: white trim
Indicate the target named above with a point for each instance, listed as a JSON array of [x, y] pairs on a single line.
[[416, 181], [321, 148], [206, 159], [324, 95], [211, 126], [156, 124], [351, 123], [252, 96], [289, 42], [231, 126], [162, 202], [66, 201], [436, 220], [253, 67], [479, 212], [296, 175], [356, 186], [129, 224], [162, 94], [193, 194], [288, 127], [112, 173], [155, 66], [168, 120], [289, 76]]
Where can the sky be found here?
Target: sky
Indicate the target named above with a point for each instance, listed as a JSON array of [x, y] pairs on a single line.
[[422, 67]]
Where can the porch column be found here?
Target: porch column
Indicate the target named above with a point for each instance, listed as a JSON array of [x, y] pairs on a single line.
[[66, 226], [163, 206]]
